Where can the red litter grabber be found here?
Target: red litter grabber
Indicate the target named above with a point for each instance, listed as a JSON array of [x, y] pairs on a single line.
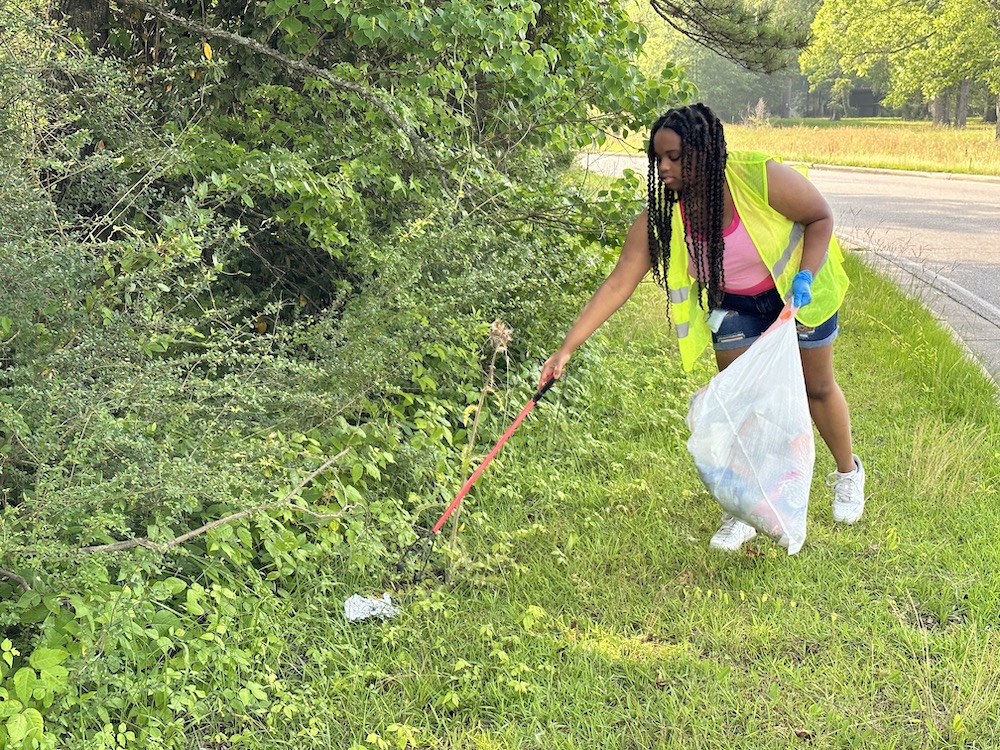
[[426, 543]]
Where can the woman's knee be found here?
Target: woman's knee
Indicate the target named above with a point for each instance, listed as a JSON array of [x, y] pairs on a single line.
[[821, 389], [817, 367]]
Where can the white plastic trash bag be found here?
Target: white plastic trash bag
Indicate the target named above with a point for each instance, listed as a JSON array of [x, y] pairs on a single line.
[[752, 436], [360, 607]]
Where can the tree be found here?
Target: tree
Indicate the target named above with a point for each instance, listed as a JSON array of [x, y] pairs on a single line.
[[240, 240], [320, 96], [929, 51], [755, 37], [729, 88], [88, 17]]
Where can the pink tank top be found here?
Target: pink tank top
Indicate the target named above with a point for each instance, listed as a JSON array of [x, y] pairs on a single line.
[[743, 270]]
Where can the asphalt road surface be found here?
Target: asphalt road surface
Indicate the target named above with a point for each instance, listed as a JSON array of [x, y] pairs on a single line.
[[937, 236]]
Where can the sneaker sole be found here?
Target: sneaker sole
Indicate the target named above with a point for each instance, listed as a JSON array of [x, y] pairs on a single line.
[[722, 548], [848, 520]]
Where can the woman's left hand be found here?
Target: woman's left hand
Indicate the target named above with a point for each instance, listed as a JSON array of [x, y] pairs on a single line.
[[802, 289]]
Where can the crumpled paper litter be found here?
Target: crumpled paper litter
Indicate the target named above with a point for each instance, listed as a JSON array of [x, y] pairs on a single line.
[[362, 608]]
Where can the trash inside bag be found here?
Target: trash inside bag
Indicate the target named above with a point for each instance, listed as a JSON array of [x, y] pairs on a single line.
[[362, 608], [752, 436]]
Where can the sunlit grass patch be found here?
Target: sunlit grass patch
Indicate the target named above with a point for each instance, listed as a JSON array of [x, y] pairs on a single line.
[[933, 149], [585, 608], [613, 645], [865, 142], [940, 470]]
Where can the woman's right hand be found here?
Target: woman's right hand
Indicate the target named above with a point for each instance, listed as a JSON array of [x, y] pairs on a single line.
[[554, 367]]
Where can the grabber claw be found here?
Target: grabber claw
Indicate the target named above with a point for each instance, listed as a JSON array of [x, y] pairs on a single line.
[[421, 551], [424, 545]]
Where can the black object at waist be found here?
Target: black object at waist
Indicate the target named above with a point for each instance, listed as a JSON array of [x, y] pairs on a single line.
[[764, 303]]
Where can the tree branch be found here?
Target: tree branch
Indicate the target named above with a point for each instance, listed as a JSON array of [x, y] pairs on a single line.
[[15, 577], [750, 37], [162, 547], [299, 66]]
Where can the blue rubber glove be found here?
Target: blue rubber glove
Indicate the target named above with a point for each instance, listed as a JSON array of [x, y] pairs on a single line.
[[802, 289]]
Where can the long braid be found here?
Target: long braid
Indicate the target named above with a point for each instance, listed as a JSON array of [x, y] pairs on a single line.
[[703, 175]]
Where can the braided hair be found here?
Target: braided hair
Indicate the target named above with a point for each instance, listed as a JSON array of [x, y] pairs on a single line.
[[703, 175]]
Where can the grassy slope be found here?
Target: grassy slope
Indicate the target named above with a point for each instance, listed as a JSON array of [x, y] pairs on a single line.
[[586, 609]]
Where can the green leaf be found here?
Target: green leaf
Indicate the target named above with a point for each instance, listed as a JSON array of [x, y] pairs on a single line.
[[45, 658], [192, 605], [292, 25], [9, 706], [24, 683], [175, 585], [286, 541], [34, 723], [17, 728]]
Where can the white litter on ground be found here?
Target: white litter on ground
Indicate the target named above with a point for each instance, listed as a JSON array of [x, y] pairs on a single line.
[[362, 608]]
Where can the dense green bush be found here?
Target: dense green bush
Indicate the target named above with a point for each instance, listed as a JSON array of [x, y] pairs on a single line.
[[246, 330]]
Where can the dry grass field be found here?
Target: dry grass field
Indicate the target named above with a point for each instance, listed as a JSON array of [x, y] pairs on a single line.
[[893, 145], [866, 142]]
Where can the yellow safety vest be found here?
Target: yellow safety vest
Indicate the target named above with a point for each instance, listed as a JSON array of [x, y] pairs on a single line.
[[777, 239]]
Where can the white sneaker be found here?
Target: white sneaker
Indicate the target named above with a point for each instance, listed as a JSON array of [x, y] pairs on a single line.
[[732, 534], [848, 493]]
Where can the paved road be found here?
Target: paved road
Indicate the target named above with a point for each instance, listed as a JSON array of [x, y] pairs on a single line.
[[937, 236]]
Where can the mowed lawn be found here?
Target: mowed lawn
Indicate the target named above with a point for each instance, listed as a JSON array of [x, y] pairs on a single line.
[[585, 609]]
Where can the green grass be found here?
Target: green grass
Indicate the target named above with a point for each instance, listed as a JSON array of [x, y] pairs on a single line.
[[585, 609], [865, 142]]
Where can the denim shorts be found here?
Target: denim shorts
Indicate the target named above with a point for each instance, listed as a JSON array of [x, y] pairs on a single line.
[[746, 318]]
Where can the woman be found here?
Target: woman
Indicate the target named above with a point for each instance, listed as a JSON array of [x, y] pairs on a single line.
[[730, 237]]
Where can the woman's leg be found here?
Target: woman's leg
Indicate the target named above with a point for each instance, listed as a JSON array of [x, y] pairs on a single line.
[[828, 405], [829, 411], [726, 357]]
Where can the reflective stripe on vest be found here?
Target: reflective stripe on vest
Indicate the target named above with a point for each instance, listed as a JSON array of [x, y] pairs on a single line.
[[798, 230]]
